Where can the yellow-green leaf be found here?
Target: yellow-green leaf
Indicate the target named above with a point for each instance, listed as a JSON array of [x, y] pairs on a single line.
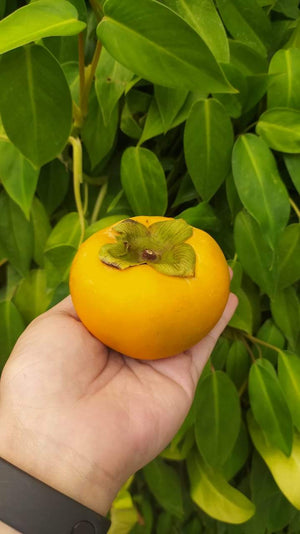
[[211, 492]]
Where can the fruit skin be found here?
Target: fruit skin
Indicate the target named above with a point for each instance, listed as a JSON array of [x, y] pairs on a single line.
[[142, 313]]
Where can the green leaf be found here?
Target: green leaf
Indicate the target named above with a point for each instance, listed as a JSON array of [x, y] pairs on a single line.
[[219, 353], [36, 122], [269, 407], [164, 484], [12, 280], [32, 296], [134, 112], [186, 191], [61, 248], [53, 185], [71, 72], [154, 124], [285, 309], [269, 333], [238, 363], [80, 7], [11, 327], [110, 83], [97, 137], [259, 185], [234, 104], [290, 8], [273, 510], [37, 20], [294, 41], [289, 378], [168, 52], [292, 162], [123, 514], [246, 22], [280, 129], [208, 147], [238, 456], [18, 176], [103, 223], [246, 60], [143, 180], [254, 253], [257, 88], [218, 418], [233, 198], [243, 316], [169, 102], [285, 470], [201, 216], [2, 7], [289, 256], [285, 88], [41, 230], [16, 236], [211, 492], [203, 17]]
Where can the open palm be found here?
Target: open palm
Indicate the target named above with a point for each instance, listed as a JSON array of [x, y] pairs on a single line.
[[82, 417]]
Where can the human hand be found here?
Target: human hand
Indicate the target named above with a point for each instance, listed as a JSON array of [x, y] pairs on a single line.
[[83, 418]]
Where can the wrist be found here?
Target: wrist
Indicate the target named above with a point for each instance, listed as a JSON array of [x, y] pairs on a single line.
[[59, 467]]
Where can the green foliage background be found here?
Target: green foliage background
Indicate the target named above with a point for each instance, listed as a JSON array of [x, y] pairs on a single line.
[[187, 109]]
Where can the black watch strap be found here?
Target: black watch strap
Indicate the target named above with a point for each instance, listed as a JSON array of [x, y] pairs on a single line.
[[32, 507]]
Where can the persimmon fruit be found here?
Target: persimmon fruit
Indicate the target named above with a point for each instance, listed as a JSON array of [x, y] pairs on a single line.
[[149, 287]]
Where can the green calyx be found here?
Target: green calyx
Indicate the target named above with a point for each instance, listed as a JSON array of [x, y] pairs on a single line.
[[161, 245]]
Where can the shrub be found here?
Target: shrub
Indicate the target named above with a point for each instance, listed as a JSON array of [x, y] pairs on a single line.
[[184, 109]]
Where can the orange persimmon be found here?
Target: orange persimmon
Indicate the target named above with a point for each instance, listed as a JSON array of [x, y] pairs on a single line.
[[149, 290]]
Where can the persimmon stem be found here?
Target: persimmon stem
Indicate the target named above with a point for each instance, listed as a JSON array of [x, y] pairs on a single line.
[[89, 80], [99, 202], [77, 180], [295, 207], [81, 71], [261, 342]]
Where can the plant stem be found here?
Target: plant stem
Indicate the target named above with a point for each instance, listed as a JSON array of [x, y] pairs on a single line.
[[261, 342], [77, 180], [295, 207], [97, 9], [81, 69], [3, 137], [99, 203], [250, 126], [248, 349], [242, 388], [89, 81], [86, 198], [94, 180]]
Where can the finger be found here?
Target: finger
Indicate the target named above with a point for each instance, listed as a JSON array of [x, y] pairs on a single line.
[[203, 349], [66, 307]]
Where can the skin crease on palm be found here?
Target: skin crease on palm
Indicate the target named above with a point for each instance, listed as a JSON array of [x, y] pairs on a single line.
[[83, 418]]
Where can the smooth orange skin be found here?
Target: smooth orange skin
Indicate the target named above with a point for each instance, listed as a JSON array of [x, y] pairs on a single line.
[[142, 313]]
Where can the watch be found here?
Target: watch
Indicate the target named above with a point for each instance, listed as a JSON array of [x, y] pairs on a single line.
[[32, 507]]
